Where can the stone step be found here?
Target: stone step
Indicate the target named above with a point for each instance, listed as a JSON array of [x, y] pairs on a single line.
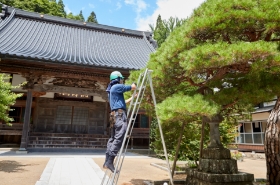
[[67, 135], [69, 142], [64, 146], [36, 138]]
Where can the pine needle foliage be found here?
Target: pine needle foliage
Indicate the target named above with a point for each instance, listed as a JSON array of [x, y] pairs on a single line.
[[227, 51], [226, 45], [50, 7]]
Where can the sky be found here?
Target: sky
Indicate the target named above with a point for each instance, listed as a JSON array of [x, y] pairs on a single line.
[[132, 14]]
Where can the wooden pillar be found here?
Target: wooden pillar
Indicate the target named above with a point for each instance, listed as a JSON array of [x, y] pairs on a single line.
[[25, 129], [106, 118]]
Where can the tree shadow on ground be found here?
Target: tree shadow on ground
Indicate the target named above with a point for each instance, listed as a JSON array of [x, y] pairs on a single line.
[[12, 166], [135, 182], [141, 181], [138, 182]]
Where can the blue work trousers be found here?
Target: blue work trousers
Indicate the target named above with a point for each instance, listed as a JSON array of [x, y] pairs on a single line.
[[117, 133]]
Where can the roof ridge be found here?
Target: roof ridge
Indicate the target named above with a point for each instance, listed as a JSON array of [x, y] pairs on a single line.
[[81, 24], [152, 44], [7, 20]]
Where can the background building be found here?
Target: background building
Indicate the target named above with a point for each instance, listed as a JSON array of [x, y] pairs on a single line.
[[251, 134]]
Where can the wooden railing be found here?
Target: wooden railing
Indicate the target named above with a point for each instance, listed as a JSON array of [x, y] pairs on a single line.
[[15, 126], [141, 133], [15, 129]]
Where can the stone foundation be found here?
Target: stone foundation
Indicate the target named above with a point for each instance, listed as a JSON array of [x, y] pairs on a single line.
[[195, 177], [217, 168]]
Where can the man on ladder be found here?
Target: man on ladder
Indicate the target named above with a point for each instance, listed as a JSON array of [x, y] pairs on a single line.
[[118, 117]]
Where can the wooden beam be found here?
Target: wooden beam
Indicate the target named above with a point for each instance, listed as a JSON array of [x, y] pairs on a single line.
[[70, 90], [11, 132]]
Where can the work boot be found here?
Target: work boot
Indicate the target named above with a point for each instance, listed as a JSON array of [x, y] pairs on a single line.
[[106, 159], [110, 164]]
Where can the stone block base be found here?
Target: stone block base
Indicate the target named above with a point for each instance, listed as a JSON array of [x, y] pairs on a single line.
[[195, 177], [216, 153], [221, 166], [22, 151]]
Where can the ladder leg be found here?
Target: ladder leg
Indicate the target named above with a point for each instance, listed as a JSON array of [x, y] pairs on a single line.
[[142, 80], [160, 129], [134, 111]]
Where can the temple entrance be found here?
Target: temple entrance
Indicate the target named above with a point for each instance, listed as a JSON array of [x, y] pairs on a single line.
[[70, 119], [59, 116]]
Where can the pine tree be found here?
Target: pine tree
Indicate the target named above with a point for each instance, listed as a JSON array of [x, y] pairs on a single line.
[[81, 16], [92, 18], [61, 8], [7, 2], [164, 28], [50, 7], [160, 32], [227, 56]]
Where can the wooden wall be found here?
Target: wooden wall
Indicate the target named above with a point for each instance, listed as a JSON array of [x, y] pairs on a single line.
[[59, 116]]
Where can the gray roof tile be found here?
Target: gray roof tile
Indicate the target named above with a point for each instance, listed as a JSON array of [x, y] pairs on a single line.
[[59, 40], [263, 109]]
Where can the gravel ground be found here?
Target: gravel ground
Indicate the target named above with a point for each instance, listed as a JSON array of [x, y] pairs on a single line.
[[136, 171], [27, 170], [21, 171]]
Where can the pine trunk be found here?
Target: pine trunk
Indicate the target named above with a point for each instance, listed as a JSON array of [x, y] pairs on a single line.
[[271, 146]]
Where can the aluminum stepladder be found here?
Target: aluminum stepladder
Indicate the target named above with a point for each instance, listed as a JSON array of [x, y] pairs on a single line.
[[133, 109]]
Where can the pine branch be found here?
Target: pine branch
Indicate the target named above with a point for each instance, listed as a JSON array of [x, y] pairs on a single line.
[[268, 36]]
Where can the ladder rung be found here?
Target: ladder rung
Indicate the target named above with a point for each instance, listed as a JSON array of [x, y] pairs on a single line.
[[143, 87], [140, 88]]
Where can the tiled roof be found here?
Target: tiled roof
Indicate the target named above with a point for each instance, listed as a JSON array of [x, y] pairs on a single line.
[[58, 40], [263, 109]]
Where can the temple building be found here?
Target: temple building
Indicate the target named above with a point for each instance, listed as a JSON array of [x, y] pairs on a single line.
[[251, 133], [65, 67]]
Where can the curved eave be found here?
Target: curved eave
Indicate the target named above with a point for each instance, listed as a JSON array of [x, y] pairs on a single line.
[[54, 62]]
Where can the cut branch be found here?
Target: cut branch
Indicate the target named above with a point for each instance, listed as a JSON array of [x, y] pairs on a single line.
[[268, 36], [226, 38], [275, 39], [230, 104], [193, 83]]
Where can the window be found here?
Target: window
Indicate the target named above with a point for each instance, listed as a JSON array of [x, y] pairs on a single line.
[[137, 122], [72, 119], [251, 133], [17, 113], [142, 121], [256, 126]]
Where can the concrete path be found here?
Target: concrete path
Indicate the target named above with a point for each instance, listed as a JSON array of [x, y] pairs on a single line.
[[71, 171]]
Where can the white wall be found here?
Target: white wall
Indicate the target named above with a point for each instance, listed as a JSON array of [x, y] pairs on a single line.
[[48, 95], [17, 80], [98, 98]]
